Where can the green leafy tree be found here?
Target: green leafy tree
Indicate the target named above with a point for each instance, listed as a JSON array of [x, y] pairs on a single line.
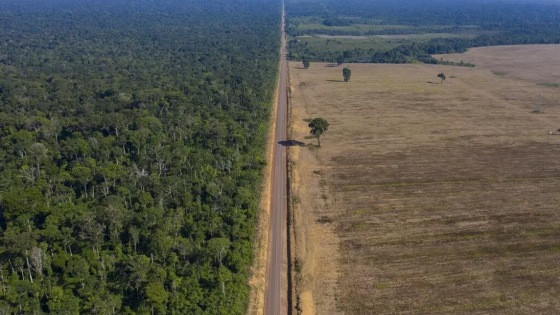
[[218, 248], [62, 301], [37, 153], [318, 127], [442, 77], [156, 296], [306, 63], [346, 73], [82, 175]]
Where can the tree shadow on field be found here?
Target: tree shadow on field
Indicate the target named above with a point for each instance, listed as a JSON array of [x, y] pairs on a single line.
[[432, 82], [335, 80], [291, 143], [331, 65], [300, 67]]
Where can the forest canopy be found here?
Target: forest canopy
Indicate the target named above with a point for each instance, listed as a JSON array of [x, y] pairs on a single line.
[[448, 26], [131, 147]]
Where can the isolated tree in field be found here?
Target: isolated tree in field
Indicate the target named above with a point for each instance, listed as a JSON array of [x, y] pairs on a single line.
[[346, 73], [318, 126], [442, 77], [306, 63]]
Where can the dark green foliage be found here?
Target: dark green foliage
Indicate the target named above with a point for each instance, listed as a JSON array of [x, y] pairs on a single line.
[[317, 127], [346, 74], [131, 144], [306, 63], [493, 23], [423, 51], [452, 15], [336, 21], [340, 60], [442, 77]]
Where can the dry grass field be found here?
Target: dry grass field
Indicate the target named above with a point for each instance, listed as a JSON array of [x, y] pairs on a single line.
[[535, 63], [427, 197]]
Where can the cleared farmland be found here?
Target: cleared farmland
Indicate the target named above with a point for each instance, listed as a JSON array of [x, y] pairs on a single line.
[[426, 197], [535, 63]]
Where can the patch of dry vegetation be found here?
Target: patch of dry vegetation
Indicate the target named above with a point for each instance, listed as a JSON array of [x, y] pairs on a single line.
[[535, 63], [427, 197]]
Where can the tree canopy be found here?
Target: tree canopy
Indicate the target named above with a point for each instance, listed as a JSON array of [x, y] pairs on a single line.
[[456, 25], [132, 139], [317, 127], [346, 74]]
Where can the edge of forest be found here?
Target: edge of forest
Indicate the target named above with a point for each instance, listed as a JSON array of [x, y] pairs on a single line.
[[257, 277]]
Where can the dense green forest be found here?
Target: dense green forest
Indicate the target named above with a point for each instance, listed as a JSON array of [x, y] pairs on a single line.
[[131, 146], [493, 23]]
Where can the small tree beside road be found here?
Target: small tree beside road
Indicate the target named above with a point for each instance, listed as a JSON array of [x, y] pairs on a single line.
[[318, 127]]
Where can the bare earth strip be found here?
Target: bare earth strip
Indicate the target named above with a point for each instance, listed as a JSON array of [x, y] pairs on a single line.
[[427, 197]]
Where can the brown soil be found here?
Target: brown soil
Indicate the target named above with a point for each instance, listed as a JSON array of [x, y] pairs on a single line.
[[426, 197]]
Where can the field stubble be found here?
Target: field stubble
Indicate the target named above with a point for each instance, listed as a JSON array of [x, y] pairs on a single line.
[[427, 197]]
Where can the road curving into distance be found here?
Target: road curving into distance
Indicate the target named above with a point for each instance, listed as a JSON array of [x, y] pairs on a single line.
[[276, 292]]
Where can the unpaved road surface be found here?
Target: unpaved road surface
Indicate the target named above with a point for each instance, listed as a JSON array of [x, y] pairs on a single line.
[[276, 282]]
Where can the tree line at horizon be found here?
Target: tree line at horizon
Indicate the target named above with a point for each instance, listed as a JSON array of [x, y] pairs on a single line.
[[497, 23], [132, 138]]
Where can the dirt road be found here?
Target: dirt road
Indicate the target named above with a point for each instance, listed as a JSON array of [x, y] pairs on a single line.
[[276, 279]]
